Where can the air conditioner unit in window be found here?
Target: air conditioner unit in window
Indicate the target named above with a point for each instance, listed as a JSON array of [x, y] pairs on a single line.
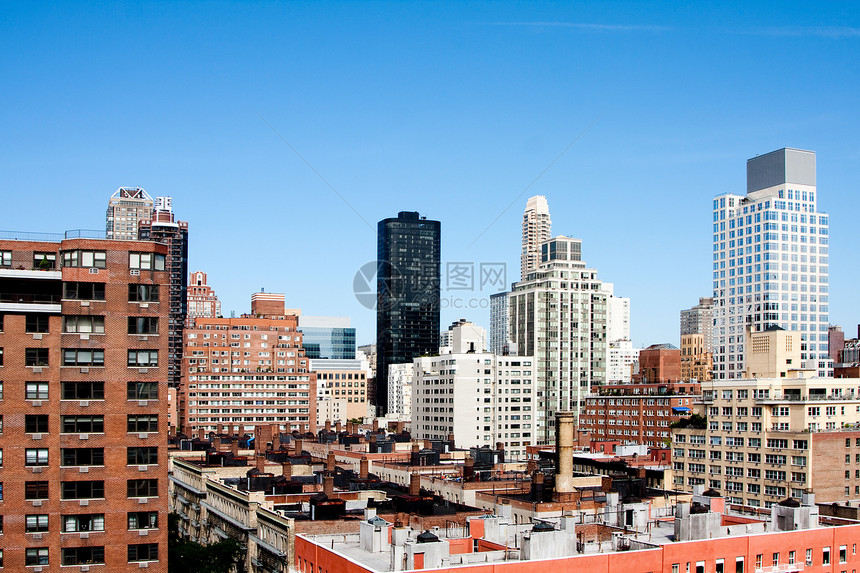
[[94, 271], [134, 272]]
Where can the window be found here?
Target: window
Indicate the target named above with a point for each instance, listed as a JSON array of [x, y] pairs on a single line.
[[83, 390], [143, 358], [36, 391], [143, 520], [83, 424], [83, 489], [44, 261], [83, 457], [84, 291], [142, 325], [36, 424], [83, 555], [146, 261], [97, 259], [143, 423], [825, 556], [843, 553], [36, 323], [143, 552], [36, 490], [36, 556], [809, 557], [36, 357], [84, 324], [84, 522], [142, 456], [36, 457], [36, 523], [83, 357], [5, 258], [142, 390], [739, 565], [142, 488], [143, 293]]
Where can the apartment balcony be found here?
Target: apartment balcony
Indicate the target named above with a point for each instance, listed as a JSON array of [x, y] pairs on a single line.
[[30, 291], [34, 274]]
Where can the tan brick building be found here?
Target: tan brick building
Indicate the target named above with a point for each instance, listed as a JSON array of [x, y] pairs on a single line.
[[83, 387], [697, 361], [250, 371]]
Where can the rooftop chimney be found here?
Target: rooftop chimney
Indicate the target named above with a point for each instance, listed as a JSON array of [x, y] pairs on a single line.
[[220, 428], [469, 469], [415, 484], [287, 470], [328, 486], [298, 446], [338, 427], [375, 425], [327, 426], [201, 433], [234, 446], [261, 463], [329, 463], [363, 465], [564, 422], [399, 427]]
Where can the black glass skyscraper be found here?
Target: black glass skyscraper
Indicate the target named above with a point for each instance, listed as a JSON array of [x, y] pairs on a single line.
[[407, 291]]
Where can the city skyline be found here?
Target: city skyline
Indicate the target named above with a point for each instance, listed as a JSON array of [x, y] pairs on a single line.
[[656, 132]]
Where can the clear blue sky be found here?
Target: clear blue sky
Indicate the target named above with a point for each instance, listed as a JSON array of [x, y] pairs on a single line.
[[451, 109]]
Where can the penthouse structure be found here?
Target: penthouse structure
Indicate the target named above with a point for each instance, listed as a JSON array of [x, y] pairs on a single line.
[[248, 371], [83, 379]]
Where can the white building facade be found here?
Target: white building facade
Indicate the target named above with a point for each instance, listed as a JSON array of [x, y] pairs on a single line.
[[400, 390], [481, 398]]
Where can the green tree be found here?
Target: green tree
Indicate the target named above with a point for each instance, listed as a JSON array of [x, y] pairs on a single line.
[[186, 556]]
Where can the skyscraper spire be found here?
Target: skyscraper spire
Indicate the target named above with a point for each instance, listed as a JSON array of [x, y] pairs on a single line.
[[536, 230]]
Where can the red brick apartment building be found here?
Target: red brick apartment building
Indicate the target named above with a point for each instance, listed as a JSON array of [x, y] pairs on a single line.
[[638, 413], [251, 371], [83, 388]]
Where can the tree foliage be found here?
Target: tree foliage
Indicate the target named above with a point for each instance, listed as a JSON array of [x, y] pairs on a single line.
[[186, 556], [694, 422]]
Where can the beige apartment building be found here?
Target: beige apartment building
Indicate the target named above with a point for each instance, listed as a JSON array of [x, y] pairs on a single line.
[[776, 435]]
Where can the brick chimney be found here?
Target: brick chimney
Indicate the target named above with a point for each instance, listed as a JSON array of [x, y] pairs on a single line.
[[327, 426], [220, 428], [329, 463], [363, 465], [375, 425], [216, 443], [261, 463], [201, 433], [349, 428], [399, 427], [338, 427], [328, 486], [234, 446], [415, 484], [287, 470]]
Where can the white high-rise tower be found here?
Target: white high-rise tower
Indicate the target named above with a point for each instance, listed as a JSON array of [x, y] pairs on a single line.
[[536, 230], [771, 262]]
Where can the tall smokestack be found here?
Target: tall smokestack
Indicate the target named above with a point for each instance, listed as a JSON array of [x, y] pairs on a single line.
[[564, 422]]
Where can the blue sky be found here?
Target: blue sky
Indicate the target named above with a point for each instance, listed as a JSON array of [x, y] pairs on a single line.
[[450, 109]]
